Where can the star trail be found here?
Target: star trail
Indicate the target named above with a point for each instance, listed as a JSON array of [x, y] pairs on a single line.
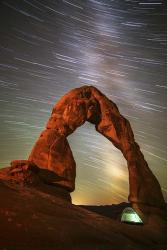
[[50, 47]]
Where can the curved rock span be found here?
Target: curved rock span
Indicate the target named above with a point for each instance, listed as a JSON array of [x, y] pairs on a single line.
[[52, 150]]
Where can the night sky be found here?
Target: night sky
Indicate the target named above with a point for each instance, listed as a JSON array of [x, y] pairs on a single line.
[[50, 47]]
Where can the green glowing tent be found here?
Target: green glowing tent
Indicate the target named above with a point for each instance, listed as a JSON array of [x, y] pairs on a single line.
[[130, 216]]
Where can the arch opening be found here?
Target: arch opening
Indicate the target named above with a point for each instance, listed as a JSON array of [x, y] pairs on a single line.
[[101, 169]]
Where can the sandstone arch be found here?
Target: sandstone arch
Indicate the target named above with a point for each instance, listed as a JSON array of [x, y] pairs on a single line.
[[87, 103]]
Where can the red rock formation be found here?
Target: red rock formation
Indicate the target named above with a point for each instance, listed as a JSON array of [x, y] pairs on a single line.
[[42, 218], [36, 210], [53, 152]]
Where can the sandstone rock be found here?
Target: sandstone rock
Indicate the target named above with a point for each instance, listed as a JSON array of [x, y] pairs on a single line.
[[36, 211], [26, 174], [41, 218], [52, 150]]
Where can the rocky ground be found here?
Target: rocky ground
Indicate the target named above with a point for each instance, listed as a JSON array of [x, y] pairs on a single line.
[[41, 217]]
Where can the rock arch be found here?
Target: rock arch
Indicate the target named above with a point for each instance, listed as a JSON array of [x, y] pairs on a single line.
[[87, 103]]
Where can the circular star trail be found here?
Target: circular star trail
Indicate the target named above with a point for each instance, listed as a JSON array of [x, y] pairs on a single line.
[[50, 47]]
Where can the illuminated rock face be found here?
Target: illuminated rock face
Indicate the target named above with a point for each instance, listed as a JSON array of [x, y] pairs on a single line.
[[87, 103]]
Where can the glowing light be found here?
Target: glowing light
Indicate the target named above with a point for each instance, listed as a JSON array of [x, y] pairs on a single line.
[[130, 216]]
